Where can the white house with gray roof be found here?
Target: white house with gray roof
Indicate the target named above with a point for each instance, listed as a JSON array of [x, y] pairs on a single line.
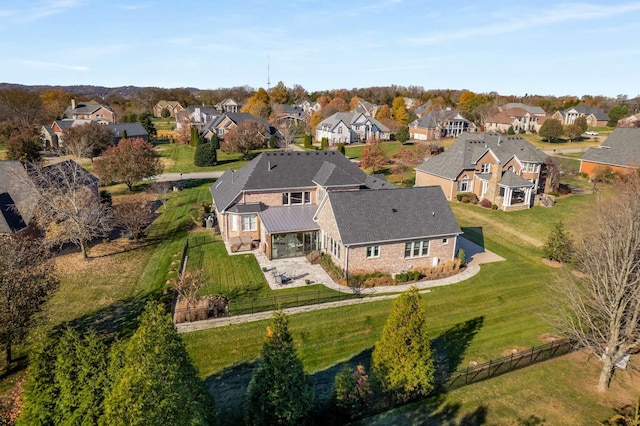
[[292, 203], [506, 170], [351, 127]]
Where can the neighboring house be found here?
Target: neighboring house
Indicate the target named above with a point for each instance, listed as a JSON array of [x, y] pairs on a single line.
[[221, 124], [292, 203], [173, 107], [409, 228], [436, 124], [519, 119], [307, 106], [533, 110], [197, 116], [133, 130], [595, 116], [228, 105], [422, 109], [620, 152], [90, 110], [351, 127], [290, 113], [506, 170], [16, 198], [631, 121], [366, 108]]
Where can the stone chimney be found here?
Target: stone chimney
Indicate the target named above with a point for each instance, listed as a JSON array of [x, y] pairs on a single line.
[[493, 191], [73, 104]]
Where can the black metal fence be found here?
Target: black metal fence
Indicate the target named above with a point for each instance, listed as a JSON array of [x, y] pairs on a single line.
[[290, 301]]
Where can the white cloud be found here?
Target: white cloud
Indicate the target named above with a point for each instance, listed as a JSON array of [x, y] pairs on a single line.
[[39, 64]]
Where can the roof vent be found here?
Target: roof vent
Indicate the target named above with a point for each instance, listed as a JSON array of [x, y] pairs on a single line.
[[394, 210], [433, 214]]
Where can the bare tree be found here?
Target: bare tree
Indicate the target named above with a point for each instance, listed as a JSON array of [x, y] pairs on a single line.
[[601, 310], [244, 138], [87, 140], [26, 282], [134, 214], [68, 206], [189, 284], [287, 134], [161, 191]]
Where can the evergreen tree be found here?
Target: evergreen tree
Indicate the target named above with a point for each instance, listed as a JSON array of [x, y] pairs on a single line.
[[559, 246], [352, 391], [154, 381], [402, 358], [402, 135], [341, 149], [194, 137], [40, 392], [214, 141], [279, 392], [124, 134], [205, 155]]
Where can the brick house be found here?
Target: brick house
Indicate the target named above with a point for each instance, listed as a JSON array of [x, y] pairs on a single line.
[[437, 124], [226, 121], [292, 203], [506, 170], [174, 107], [89, 110], [519, 119], [620, 152]]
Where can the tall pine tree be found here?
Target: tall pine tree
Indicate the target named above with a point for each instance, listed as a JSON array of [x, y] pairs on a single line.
[[154, 381], [402, 359], [279, 392]]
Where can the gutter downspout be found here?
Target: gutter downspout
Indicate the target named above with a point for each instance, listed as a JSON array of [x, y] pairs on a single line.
[[346, 264]]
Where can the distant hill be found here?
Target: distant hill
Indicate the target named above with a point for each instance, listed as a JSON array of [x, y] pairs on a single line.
[[87, 90]]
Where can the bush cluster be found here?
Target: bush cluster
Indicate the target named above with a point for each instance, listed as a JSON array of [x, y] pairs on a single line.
[[407, 276], [485, 203], [369, 280]]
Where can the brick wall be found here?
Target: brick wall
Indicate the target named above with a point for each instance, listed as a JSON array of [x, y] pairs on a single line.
[[448, 186]]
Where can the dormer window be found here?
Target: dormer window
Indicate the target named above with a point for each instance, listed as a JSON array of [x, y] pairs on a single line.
[[296, 198]]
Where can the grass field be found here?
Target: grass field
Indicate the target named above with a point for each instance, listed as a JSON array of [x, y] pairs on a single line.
[[506, 302]]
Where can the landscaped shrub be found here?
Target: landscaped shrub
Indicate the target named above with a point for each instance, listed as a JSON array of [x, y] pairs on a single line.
[[329, 265], [324, 143], [205, 155], [341, 149], [485, 203], [404, 277], [462, 257], [307, 141], [443, 270], [494, 207], [467, 197], [369, 280]]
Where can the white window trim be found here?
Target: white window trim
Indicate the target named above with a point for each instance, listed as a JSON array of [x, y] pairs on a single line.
[[253, 222], [234, 222], [373, 252], [420, 245]]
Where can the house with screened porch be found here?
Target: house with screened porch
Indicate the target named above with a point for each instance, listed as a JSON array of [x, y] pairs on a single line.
[[289, 204], [506, 170]]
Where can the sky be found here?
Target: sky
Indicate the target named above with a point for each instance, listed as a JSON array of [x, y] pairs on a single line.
[[510, 47]]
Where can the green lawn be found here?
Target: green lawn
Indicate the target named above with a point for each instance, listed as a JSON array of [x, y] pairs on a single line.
[[164, 123], [178, 158]]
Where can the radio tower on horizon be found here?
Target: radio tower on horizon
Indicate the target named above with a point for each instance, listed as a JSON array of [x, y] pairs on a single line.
[[268, 76]]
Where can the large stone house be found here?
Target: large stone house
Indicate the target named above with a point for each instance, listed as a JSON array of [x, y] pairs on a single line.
[[595, 117], [436, 124], [51, 136], [223, 123], [519, 119], [351, 127], [89, 110], [292, 203], [620, 152], [506, 170]]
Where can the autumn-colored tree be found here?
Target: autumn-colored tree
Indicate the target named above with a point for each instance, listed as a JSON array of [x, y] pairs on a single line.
[[128, 162], [27, 280], [572, 132], [21, 140], [54, 102], [244, 138], [373, 155], [405, 158], [21, 105], [338, 104], [279, 94], [399, 110], [258, 105], [323, 100], [184, 132], [551, 129], [354, 103], [316, 118], [87, 140], [466, 96], [383, 112]]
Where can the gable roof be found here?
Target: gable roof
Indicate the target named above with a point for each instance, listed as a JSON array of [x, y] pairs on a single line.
[[16, 197], [288, 171], [531, 109], [85, 108], [432, 119], [134, 130], [350, 118], [507, 116], [470, 147], [586, 110], [416, 213], [168, 104], [621, 148]]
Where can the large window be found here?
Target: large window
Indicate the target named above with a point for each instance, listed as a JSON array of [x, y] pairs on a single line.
[[334, 248], [249, 223], [485, 168], [373, 251], [416, 249], [234, 222], [531, 167], [463, 185], [293, 198]]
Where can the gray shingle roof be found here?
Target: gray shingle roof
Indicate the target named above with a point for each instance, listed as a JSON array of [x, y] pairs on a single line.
[[431, 119], [289, 219], [531, 109], [84, 108], [511, 179], [16, 197], [621, 148], [290, 170], [348, 118], [364, 217], [134, 130], [469, 147], [586, 110]]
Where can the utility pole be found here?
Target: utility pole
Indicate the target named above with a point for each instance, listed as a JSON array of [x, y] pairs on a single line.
[[268, 76]]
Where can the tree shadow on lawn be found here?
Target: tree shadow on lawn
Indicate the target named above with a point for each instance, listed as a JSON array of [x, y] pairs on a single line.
[[450, 346], [229, 390]]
